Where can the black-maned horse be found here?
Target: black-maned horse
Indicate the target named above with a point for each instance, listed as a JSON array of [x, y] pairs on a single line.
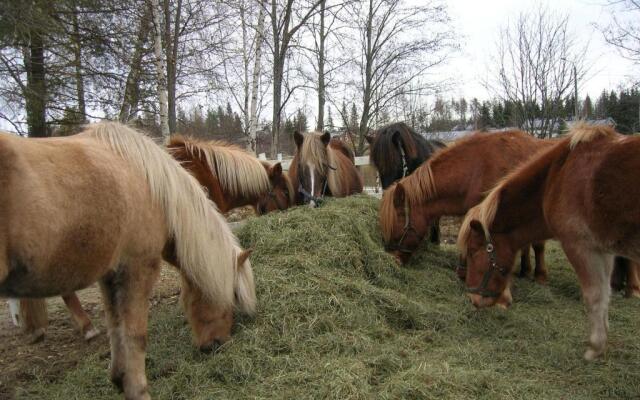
[[396, 151]]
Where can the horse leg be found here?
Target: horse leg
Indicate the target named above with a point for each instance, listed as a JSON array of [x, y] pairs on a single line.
[[80, 317], [525, 261], [540, 274], [434, 234], [33, 318], [620, 272], [594, 273], [132, 288], [633, 280]]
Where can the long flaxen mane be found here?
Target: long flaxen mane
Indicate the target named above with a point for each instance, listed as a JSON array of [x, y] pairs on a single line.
[[324, 160], [205, 246], [486, 211], [239, 173]]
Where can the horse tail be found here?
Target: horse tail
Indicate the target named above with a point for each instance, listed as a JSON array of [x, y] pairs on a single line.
[[205, 246], [32, 316]]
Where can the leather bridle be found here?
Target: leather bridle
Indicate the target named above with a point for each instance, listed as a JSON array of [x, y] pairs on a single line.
[[483, 289], [405, 231]]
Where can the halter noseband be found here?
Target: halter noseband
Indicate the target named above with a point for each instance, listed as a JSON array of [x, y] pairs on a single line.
[[482, 289], [407, 228], [308, 197]]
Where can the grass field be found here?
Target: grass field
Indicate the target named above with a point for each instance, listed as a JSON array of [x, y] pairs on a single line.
[[338, 320]]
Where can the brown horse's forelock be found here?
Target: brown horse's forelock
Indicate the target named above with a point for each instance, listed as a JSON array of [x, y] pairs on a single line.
[[384, 152]]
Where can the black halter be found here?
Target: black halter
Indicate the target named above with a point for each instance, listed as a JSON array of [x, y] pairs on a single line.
[[482, 289], [407, 228], [405, 166], [308, 197]]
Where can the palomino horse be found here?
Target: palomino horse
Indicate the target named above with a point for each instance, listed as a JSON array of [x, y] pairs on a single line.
[[396, 151], [452, 181], [108, 205], [233, 178], [318, 169], [582, 191]]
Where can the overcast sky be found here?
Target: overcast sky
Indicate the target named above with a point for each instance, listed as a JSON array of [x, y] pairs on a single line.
[[479, 23]]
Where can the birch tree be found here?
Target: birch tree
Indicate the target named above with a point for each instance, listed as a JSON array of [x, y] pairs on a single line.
[[160, 68]]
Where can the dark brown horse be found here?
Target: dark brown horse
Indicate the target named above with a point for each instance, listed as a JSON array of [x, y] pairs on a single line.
[[583, 191], [452, 181], [318, 169], [396, 151]]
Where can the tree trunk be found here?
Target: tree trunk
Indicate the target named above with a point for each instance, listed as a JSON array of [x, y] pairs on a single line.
[[36, 93], [160, 69], [321, 56], [278, 69], [171, 45], [132, 90], [77, 54], [253, 118], [245, 70], [368, 77]]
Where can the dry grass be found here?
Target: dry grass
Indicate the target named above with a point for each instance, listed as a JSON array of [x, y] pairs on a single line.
[[337, 319]]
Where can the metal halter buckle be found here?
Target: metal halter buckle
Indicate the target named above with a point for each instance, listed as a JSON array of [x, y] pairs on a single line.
[[482, 289]]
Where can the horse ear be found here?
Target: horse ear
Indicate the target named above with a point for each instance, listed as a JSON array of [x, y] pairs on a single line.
[[242, 257], [298, 138], [369, 139], [477, 232], [275, 171], [326, 137], [399, 195]]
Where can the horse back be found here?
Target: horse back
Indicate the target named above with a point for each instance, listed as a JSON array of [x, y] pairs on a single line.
[[70, 211]]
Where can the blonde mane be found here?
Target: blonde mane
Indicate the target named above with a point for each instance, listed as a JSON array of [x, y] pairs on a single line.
[[387, 212], [205, 245], [239, 172], [583, 132], [324, 160]]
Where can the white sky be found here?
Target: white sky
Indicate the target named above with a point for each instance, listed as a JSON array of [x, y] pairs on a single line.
[[479, 23]]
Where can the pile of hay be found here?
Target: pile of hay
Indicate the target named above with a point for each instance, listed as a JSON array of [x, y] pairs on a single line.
[[338, 319]]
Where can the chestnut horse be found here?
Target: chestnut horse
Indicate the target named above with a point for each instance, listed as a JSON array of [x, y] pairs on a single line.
[[108, 205], [318, 169], [396, 151], [232, 177], [582, 191], [452, 181]]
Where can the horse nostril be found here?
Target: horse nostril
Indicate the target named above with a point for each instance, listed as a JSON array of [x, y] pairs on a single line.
[[211, 347]]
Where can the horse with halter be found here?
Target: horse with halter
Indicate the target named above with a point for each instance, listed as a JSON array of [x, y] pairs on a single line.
[[320, 168], [396, 151], [582, 191], [108, 205], [233, 178], [450, 183]]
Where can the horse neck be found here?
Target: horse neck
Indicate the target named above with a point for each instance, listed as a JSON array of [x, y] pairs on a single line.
[[520, 209]]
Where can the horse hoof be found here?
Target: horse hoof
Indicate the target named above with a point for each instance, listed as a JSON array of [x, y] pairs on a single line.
[[91, 333], [37, 336], [591, 354], [541, 279], [633, 293]]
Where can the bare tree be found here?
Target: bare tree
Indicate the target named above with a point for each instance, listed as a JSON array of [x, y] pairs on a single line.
[[160, 68], [535, 61], [399, 46], [287, 17], [624, 31]]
